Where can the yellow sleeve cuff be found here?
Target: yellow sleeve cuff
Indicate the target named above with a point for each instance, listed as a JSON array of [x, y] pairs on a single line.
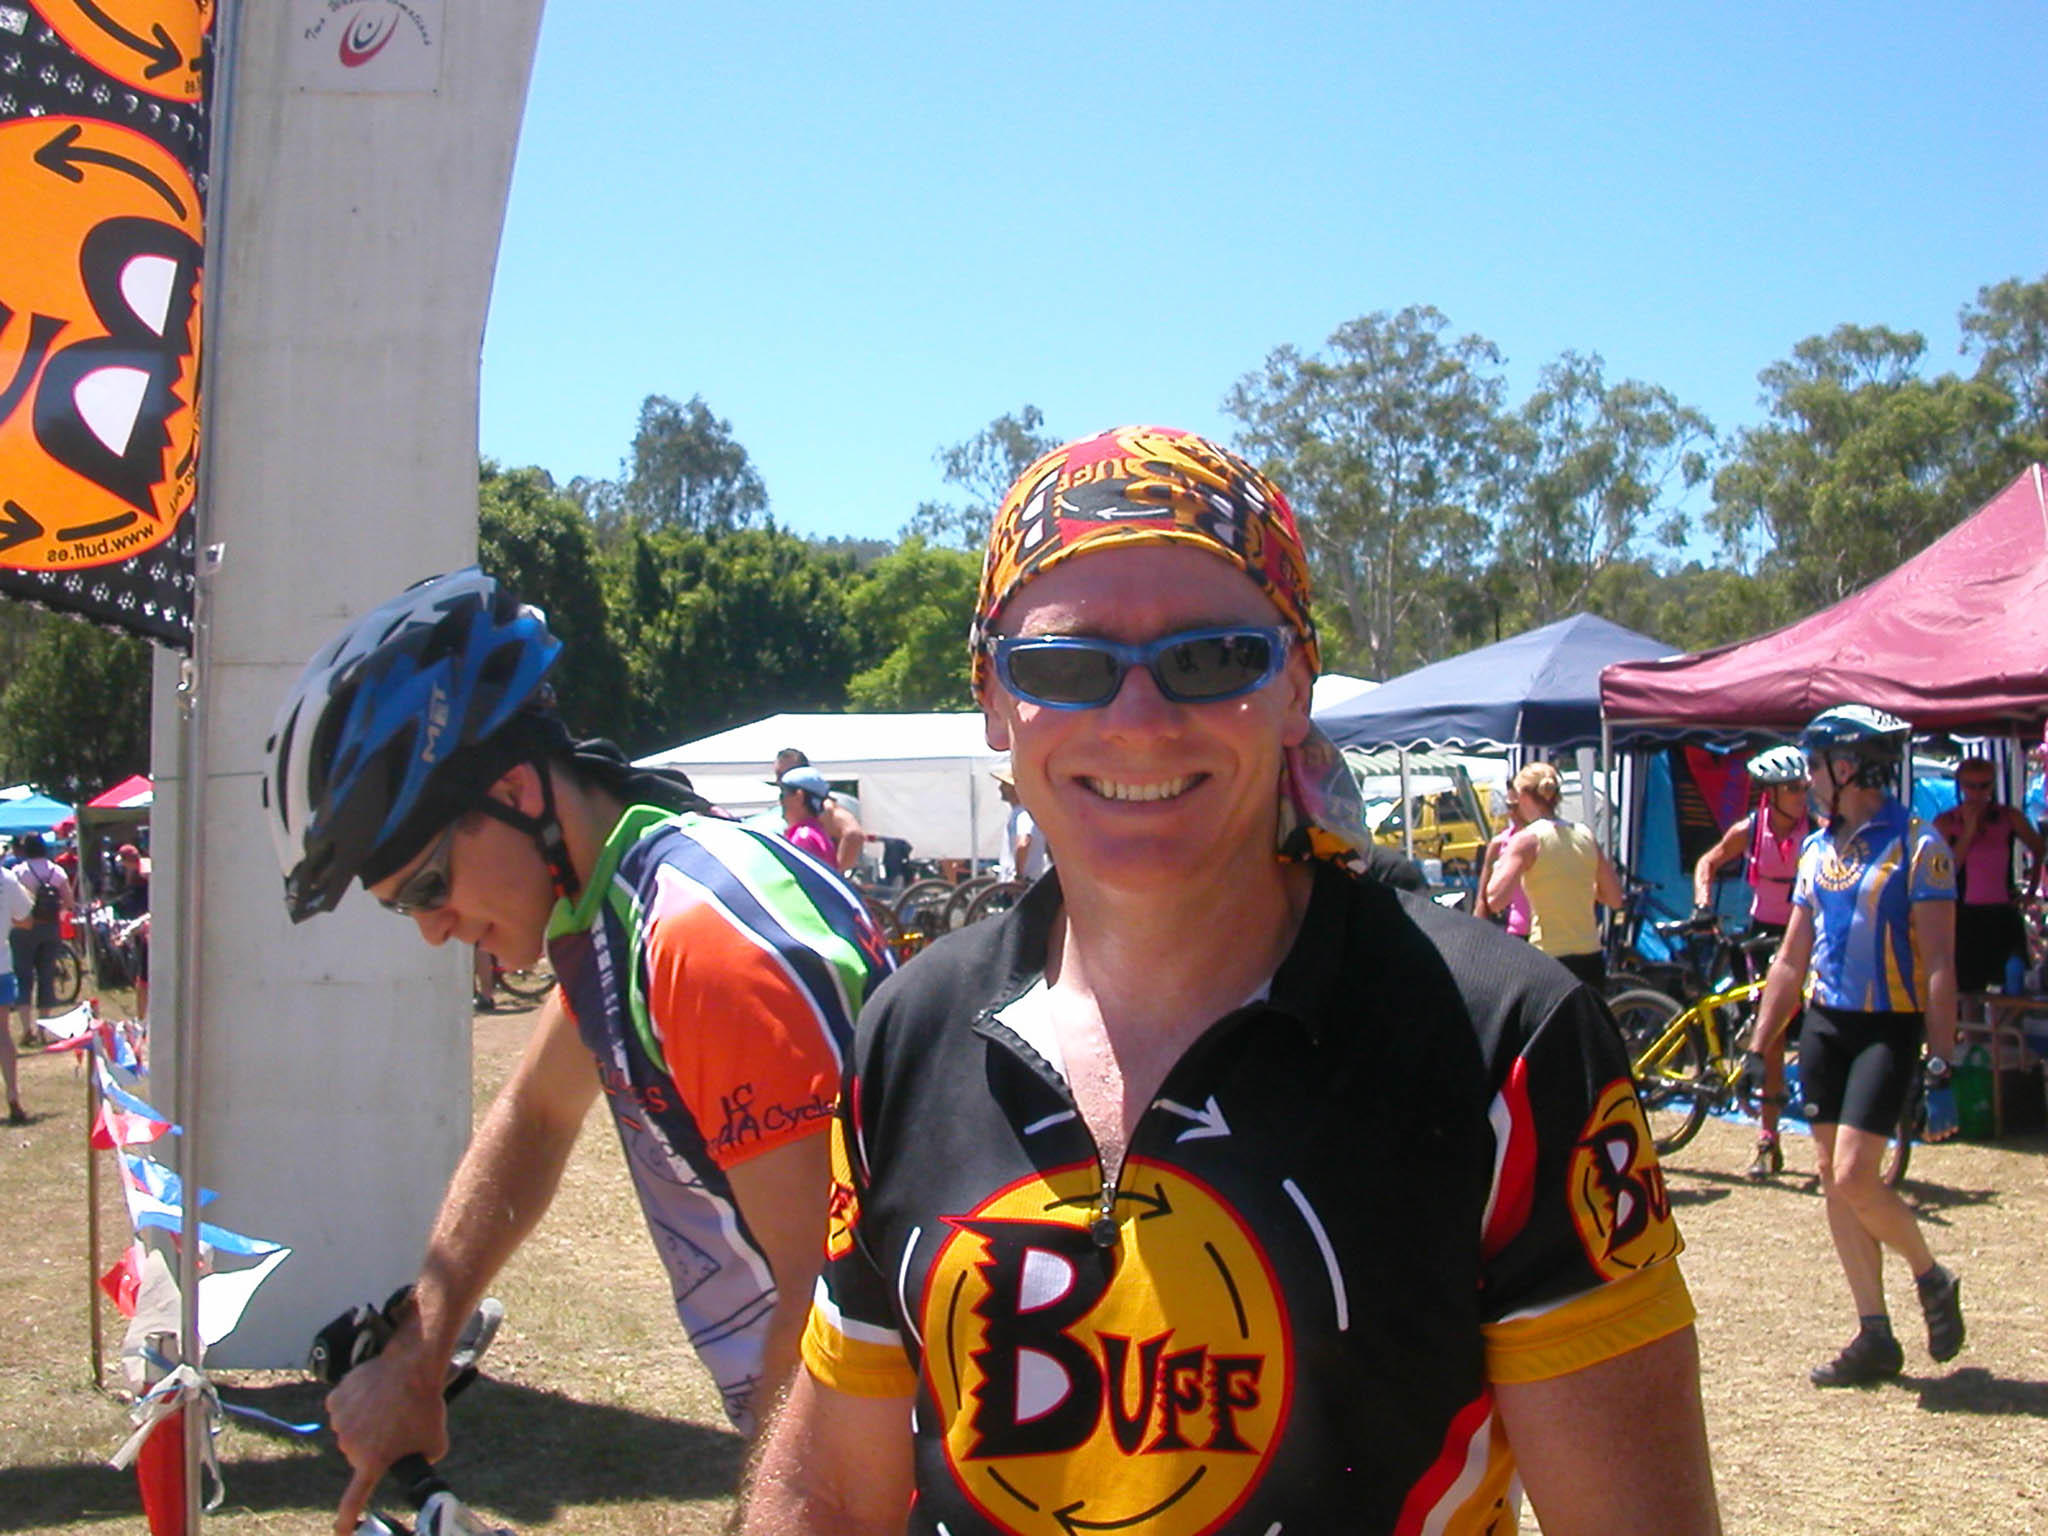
[[854, 1366], [1599, 1325]]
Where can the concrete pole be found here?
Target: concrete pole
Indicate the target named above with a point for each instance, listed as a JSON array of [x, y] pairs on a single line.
[[362, 201]]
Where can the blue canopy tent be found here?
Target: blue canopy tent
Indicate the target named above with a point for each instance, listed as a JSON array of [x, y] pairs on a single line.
[[1539, 689], [30, 812]]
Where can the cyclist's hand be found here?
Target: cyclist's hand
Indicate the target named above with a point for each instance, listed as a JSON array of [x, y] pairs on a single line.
[[1704, 918], [382, 1409]]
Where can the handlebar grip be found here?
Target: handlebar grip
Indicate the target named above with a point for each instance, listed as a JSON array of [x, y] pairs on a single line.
[[416, 1475]]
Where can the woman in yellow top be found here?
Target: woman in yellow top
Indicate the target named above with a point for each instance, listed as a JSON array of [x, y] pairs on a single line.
[[1563, 873]]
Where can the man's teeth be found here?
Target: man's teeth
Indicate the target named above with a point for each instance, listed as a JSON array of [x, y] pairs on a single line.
[[1110, 789]]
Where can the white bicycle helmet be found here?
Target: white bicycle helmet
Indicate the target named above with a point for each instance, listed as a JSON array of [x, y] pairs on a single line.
[[1779, 765]]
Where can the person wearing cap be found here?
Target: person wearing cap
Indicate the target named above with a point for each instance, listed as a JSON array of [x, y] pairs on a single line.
[[1025, 856], [1214, 1185], [802, 792], [708, 979], [132, 906], [35, 946], [836, 816]]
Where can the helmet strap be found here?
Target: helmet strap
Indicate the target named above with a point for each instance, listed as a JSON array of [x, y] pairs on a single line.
[[545, 830]]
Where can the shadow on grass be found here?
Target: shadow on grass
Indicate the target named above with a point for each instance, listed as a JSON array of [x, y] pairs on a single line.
[[524, 1454], [1930, 1201], [1976, 1390]]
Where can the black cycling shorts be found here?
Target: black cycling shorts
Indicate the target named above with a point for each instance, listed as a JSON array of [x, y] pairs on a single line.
[[1986, 937], [1855, 1068], [1590, 968]]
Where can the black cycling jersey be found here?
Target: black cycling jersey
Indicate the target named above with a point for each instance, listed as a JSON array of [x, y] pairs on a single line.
[[1412, 1170]]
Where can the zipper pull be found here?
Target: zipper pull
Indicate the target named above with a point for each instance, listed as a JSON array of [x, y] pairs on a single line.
[[1103, 1228]]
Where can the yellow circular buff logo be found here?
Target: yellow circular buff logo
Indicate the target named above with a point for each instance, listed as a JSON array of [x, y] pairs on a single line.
[[1140, 1388], [1618, 1201], [99, 335], [152, 45]]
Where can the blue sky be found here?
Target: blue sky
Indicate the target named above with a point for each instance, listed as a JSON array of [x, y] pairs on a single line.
[[862, 233]]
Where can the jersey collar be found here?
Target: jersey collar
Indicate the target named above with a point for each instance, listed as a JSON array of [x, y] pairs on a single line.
[[578, 915]]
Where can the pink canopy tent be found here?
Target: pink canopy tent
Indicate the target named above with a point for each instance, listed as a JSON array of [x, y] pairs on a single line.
[[1955, 639]]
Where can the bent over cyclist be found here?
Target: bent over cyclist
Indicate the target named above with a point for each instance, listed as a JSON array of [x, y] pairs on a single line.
[[709, 977], [1873, 936], [1770, 838]]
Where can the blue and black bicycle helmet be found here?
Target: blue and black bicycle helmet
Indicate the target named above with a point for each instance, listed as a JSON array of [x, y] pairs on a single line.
[[1875, 738], [400, 725]]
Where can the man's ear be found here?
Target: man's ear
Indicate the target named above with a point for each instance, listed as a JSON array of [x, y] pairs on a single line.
[[995, 726], [1301, 695], [519, 788]]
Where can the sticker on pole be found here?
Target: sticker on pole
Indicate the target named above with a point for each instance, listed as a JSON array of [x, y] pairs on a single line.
[[99, 338], [366, 47]]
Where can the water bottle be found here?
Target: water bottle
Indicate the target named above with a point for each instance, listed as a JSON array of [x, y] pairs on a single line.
[[2015, 975]]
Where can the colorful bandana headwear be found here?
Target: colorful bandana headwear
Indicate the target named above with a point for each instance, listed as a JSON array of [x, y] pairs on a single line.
[[1156, 485], [1145, 485]]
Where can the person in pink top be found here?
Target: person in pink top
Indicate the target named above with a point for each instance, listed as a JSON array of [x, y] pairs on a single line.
[[1517, 909], [1770, 838], [803, 796], [1981, 831]]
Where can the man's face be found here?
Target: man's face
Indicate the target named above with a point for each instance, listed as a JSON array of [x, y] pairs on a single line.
[[1974, 785], [1144, 792], [499, 891]]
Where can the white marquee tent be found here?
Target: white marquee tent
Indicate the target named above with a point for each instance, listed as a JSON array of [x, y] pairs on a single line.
[[924, 778]]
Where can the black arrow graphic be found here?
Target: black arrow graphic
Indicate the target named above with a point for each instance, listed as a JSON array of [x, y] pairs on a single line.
[[1156, 1203], [112, 524], [63, 156], [17, 526], [163, 53], [1070, 1521]]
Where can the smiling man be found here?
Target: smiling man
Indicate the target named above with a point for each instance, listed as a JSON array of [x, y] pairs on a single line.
[[709, 980], [1216, 1187]]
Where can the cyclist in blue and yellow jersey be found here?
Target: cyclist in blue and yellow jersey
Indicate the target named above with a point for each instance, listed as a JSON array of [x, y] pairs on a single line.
[[1217, 1185], [710, 975], [1770, 839], [1872, 941]]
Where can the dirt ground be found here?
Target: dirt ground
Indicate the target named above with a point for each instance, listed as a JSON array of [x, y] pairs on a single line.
[[595, 1418]]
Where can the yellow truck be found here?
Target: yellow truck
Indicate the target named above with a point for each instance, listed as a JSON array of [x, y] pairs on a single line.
[[1452, 816]]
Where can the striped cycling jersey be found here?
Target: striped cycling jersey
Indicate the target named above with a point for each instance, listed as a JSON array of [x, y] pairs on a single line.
[[714, 972], [1861, 897]]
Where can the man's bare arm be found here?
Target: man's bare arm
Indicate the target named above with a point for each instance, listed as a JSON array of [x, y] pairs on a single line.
[[1619, 1447], [783, 1195], [1723, 853], [831, 1464], [1786, 980], [505, 1181]]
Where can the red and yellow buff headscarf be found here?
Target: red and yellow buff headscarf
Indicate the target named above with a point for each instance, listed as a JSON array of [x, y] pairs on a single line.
[[1157, 485], [1145, 485]]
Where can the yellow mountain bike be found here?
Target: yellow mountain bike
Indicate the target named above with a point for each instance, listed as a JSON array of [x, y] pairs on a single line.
[[1688, 1062]]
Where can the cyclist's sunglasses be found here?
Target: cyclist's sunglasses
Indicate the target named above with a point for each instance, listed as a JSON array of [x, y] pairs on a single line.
[[426, 888], [1196, 666]]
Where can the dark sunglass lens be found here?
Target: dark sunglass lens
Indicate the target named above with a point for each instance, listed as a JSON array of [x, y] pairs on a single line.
[[1064, 674], [1209, 668]]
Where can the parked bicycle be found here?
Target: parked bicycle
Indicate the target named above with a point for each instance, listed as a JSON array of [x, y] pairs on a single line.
[[1691, 1060]]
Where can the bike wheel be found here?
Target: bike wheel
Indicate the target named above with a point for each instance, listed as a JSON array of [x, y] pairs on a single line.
[[69, 974], [996, 898], [919, 896], [1669, 1062], [531, 984], [963, 897], [1912, 1124]]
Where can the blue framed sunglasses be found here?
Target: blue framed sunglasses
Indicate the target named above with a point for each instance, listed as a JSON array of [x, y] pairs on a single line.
[[1196, 666]]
